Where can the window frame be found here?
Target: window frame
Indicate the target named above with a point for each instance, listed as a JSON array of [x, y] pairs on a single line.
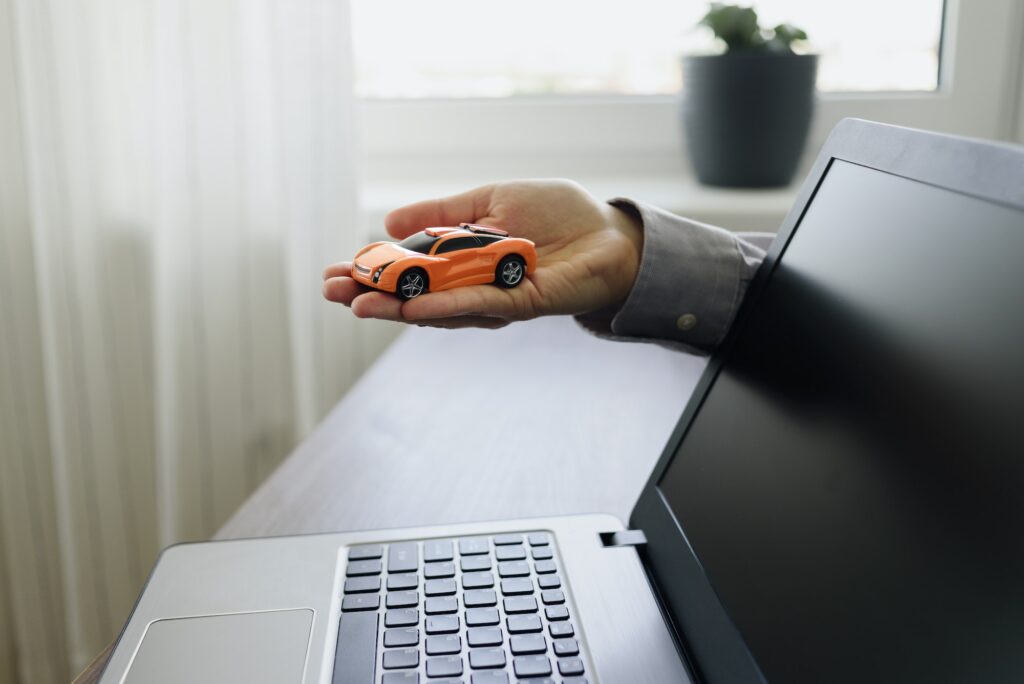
[[580, 135]]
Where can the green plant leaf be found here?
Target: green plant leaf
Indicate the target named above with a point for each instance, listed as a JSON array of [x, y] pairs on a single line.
[[787, 34], [737, 26]]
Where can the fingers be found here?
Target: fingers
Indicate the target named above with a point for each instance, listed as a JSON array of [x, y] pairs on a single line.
[[467, 307], [386, 307], [338, 270], [342, 290], [479, 300], [448, 211], [374, 304]]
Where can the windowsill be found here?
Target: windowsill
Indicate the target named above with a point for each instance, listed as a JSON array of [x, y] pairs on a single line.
[[734, 209]]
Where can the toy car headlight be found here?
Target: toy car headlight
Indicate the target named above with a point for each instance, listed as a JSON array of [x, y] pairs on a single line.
[[380, 269]]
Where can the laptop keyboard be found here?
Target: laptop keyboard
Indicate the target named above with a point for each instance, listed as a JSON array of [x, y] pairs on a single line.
[[480, 610]]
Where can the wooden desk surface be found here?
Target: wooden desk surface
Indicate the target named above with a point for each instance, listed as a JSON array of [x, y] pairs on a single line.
[[538, 418]]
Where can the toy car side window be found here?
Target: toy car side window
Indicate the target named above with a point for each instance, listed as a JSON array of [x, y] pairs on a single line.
[[487, 239], [457, 243]]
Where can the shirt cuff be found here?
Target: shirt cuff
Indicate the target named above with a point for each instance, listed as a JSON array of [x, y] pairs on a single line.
[[691, 280]]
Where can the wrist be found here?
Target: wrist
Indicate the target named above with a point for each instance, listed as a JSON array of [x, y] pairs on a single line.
[[626, 221]]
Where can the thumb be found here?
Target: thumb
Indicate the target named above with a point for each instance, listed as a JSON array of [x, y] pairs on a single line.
[[447, 211]]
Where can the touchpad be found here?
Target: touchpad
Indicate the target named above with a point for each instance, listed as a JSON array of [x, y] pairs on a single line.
[[243, 647]]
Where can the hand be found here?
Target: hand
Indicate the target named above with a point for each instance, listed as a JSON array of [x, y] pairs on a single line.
[[588, 254]]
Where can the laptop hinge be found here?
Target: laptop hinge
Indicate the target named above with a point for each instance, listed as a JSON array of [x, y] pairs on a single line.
[[623, 538]]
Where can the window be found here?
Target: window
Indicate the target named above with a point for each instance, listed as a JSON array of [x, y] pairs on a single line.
[[575, 46], [596, 103], [488, 239], [457, 243]]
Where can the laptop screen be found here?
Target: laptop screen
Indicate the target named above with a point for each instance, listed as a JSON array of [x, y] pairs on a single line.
[[853, 482]]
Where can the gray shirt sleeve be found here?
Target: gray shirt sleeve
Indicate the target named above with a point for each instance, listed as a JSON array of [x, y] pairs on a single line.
[[691, 281]]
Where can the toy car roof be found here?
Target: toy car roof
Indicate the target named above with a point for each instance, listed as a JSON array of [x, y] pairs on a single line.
[[439, 232], [484, 230], [471, 227]]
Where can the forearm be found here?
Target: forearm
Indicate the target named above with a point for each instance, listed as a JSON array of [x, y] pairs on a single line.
[[691, 281]]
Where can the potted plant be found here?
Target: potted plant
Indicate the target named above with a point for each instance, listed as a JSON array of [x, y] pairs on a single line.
[[746, 112]]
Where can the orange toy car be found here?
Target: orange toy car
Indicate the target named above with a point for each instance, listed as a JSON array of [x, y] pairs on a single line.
[[442, 258]]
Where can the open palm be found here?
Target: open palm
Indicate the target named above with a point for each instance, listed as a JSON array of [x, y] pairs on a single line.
[[587, 257]]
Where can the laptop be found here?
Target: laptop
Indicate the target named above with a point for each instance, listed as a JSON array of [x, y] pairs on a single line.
[[841, 501]]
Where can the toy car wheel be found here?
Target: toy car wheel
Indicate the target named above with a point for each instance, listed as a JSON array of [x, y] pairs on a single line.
[[411, 284], [510, 271]]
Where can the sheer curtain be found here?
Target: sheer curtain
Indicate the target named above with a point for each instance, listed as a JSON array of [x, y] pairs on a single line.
[[174, 174]]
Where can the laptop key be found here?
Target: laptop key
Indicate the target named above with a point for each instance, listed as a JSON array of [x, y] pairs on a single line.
[[560, 630], [402, 599], [437, 605], [520, 604], [473, 563], [402, 617], [545, 567], [445, 644], [365, 552], [504, 553], [542, 553], [531, 666], [540, 539], [361, 585], [556, 613], [503, 539], [549, 581], [514, 569], [552, 597], [482, 658], [445, 666], [527, 644], [484, 636], [437, 550], [482, 617], [439, 587], [400, 678], [360, 602], [477, 580], [363, 567], [442, 624], [480, 597], [356, 655], [400, 658], [401, 637], [570, 666], [516, 585], [474, 546], [521, 624], [403, 557], [405, 581], [439, 570], [566, 647], [489, 677]]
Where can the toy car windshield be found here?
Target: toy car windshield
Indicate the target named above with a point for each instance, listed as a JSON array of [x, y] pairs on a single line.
[[419, 242]]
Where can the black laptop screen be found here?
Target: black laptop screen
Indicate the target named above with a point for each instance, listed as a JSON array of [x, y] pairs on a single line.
[[853, 483]]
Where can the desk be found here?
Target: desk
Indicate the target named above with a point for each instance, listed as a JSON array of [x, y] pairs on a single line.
[[538, 418]]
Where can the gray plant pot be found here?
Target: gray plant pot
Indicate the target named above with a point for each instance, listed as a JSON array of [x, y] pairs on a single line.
[[746, 116]]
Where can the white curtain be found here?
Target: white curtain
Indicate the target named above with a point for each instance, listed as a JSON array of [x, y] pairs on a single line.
[[174, 174]]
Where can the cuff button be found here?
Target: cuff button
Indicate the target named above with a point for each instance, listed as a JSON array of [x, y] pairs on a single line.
[[686, 322]]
